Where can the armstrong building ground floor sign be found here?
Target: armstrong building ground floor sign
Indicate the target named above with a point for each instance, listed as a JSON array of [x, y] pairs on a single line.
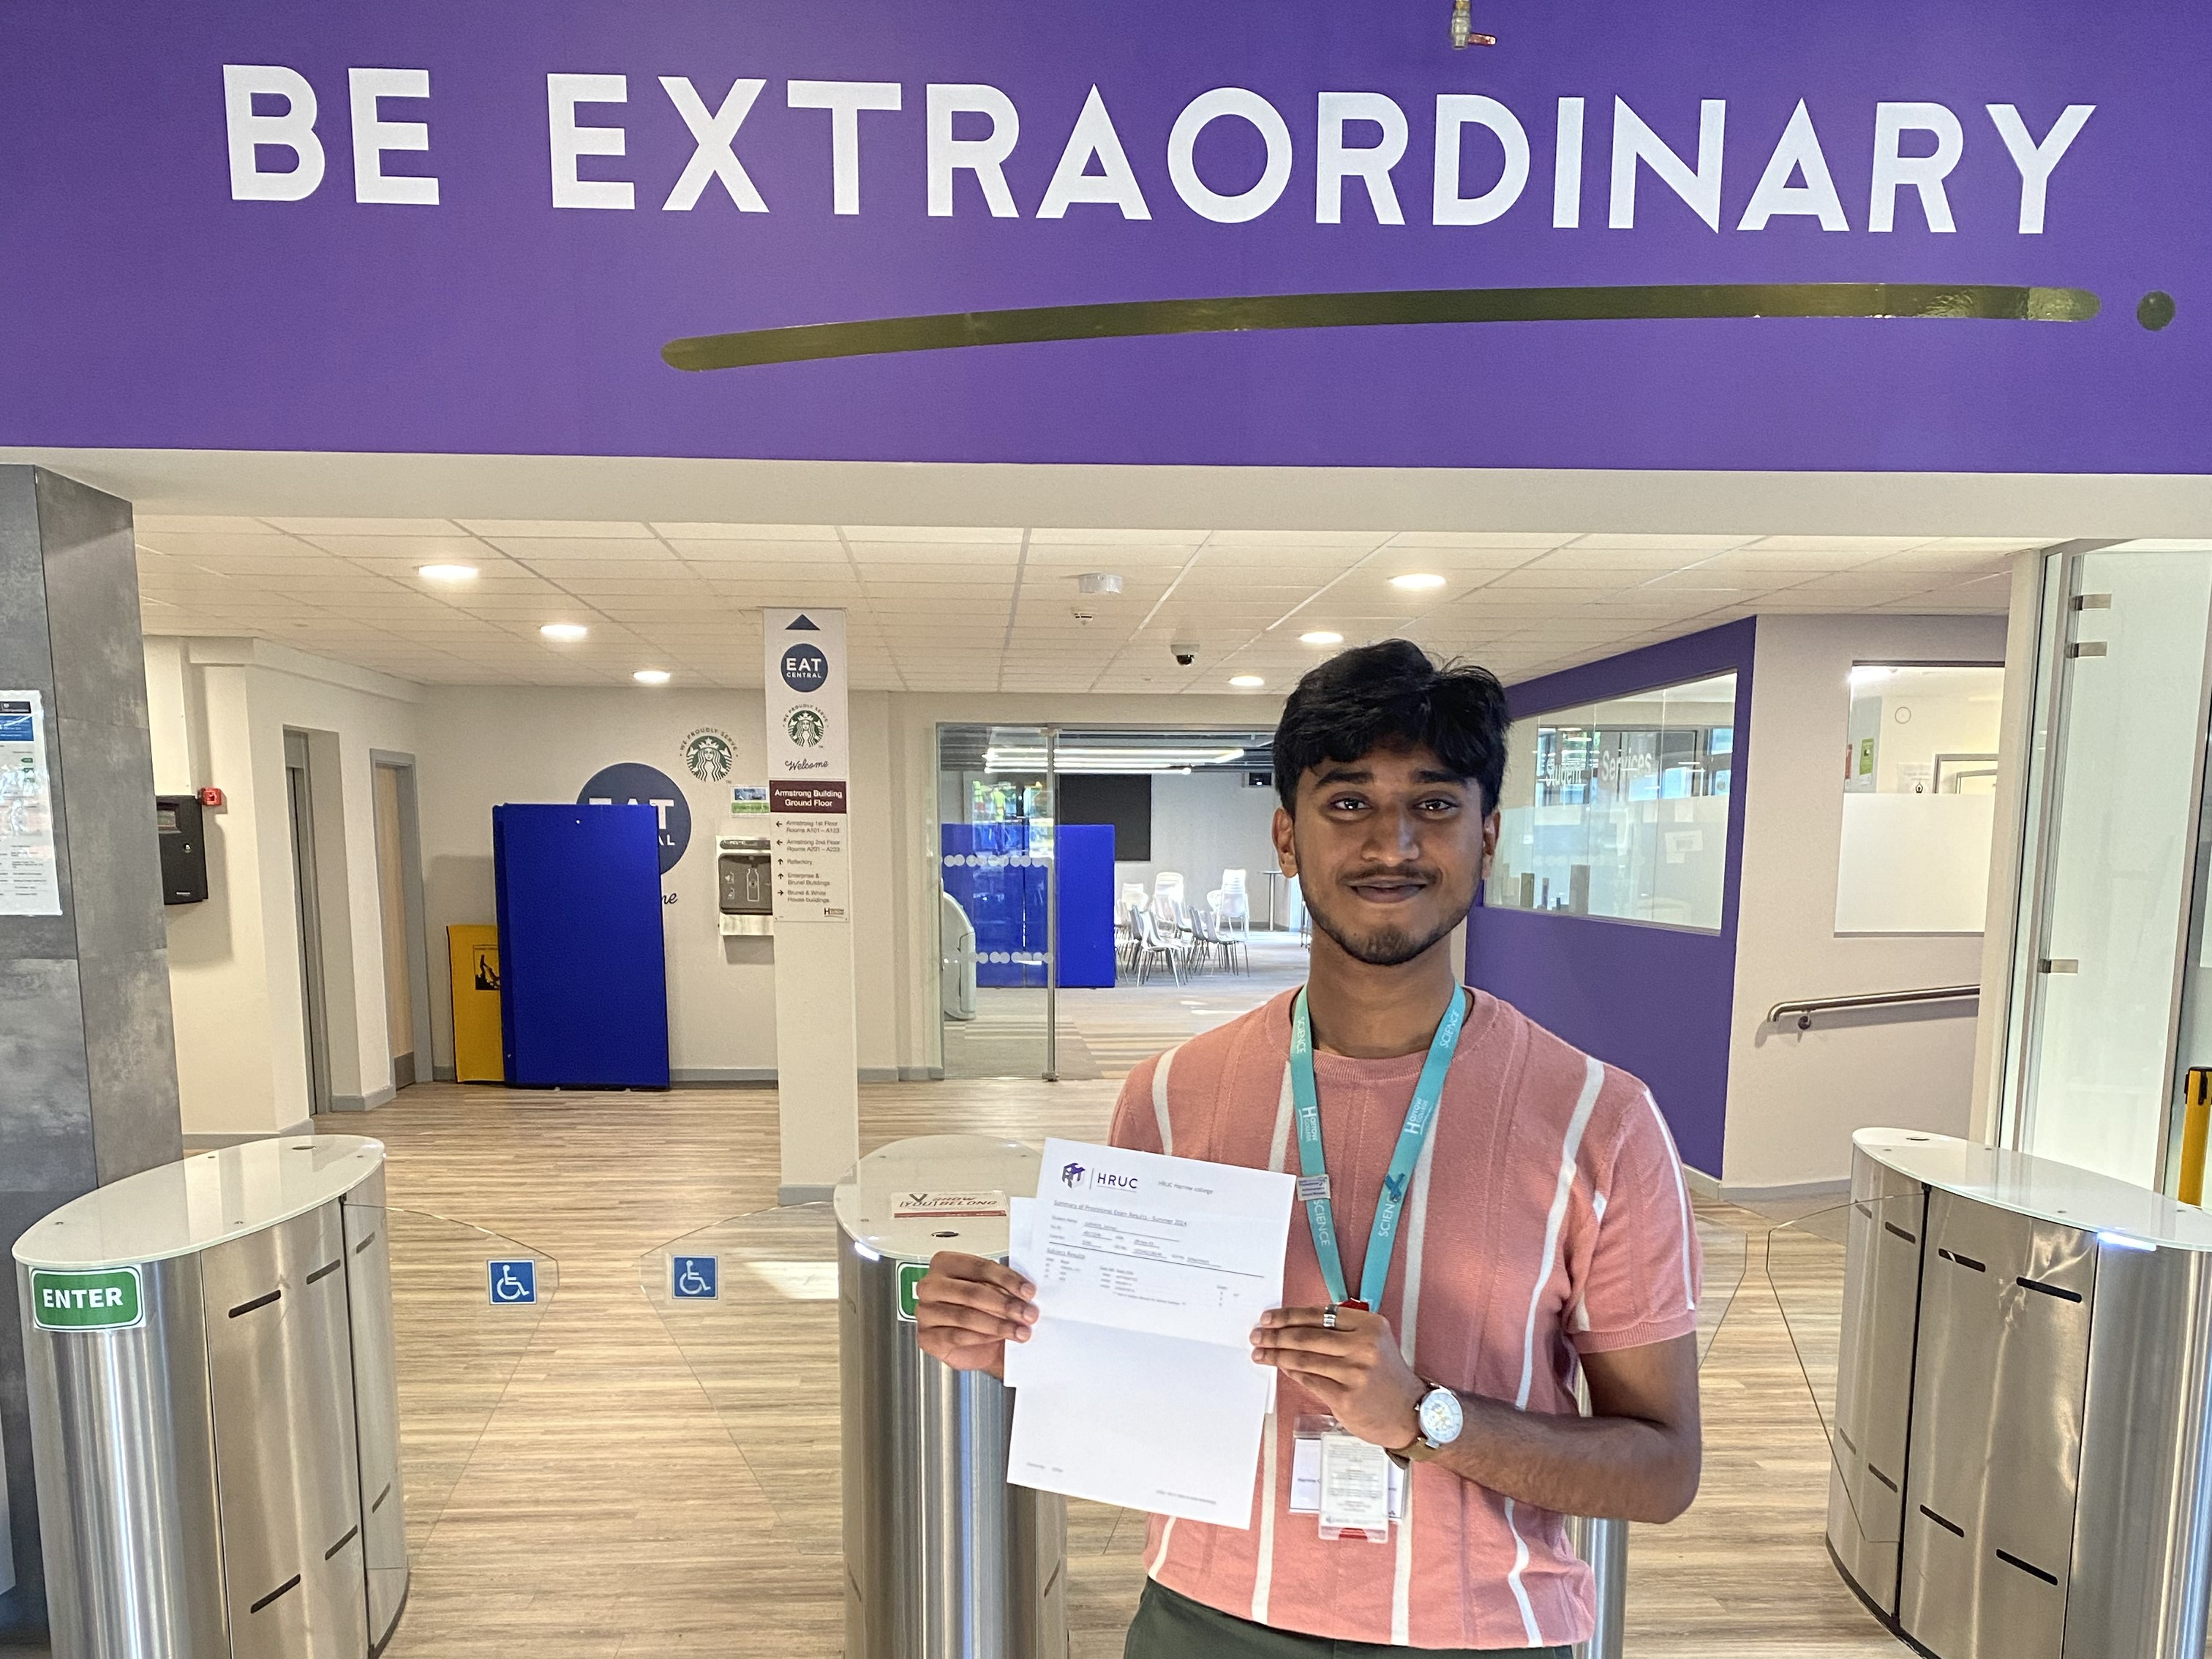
[[1906, 235]]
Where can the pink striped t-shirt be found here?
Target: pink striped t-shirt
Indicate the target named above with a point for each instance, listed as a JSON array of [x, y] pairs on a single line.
[[1547, 1217]]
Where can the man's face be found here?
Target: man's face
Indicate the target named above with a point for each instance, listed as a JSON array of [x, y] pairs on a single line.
[[1387, 849]]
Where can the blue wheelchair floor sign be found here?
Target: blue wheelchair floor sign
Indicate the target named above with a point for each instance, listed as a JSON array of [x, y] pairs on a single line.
[[513, 1284], [693, 1277]]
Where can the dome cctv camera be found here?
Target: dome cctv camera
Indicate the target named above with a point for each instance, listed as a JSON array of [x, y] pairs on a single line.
[[1185, 653]]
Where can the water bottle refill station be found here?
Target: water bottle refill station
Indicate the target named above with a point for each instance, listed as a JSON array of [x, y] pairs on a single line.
[[214, 1408], [2022, 1464]]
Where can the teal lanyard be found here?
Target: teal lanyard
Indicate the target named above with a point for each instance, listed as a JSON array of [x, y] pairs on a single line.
[[1312, 1166]]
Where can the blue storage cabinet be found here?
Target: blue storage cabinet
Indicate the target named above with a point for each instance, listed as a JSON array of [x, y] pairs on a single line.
[[1087, 904], [583, 987], [1005, 891]]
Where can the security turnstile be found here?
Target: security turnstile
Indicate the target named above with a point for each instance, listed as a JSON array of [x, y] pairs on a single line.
[[943, 1559], [214, 1408], [2021, 1463]]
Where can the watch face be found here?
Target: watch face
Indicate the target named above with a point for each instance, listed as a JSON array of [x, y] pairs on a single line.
[[1441, 1417]]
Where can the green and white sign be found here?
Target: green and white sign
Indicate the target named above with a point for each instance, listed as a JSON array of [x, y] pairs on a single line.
[[910, 1275], [108, 1300]]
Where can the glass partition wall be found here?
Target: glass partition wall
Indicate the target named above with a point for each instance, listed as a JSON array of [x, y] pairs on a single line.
[[1620, 809], [2111, 999]]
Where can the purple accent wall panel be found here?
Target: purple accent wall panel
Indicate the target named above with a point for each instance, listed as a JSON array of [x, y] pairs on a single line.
[[1655, 1001], [427, 228]]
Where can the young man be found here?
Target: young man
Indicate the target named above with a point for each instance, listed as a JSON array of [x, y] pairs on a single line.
[[1540, 1224]]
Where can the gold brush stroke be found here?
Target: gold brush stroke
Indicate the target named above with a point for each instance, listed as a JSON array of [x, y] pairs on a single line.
[[1125, 319]]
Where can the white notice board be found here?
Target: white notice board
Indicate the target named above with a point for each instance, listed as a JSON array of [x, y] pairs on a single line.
[[29, 884]]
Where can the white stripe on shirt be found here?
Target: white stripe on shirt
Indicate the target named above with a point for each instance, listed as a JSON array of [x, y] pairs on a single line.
[[1570, 1150], [1160, 1100], [1409, 1308]]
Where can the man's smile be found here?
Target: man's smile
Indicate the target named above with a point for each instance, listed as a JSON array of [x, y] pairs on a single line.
[[1397, 888]]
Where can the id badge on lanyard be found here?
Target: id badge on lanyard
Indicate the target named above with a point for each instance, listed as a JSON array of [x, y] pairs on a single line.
[[1353, 1486]]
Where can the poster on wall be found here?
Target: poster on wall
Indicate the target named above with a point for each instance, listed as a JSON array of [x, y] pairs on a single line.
[[809, 757], [29, 883]]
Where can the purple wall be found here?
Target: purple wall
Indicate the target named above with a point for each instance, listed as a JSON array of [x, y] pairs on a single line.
[[1655, 1001]]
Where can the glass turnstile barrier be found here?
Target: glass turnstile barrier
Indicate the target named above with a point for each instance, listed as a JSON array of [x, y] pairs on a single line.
[[464, 1311]]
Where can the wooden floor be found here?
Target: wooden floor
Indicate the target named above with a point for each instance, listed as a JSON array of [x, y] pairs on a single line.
[[615, 1476]]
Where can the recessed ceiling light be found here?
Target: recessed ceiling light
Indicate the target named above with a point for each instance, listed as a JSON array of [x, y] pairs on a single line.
[[651, 677], [1321, 636], [447, 573], [564, 631], [1416, 578], [1249, 682]]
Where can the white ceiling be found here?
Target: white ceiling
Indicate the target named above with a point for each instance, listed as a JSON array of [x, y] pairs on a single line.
[[936, 608]]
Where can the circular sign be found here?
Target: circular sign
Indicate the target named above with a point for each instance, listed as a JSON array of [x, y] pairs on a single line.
[[708, 754], [805, 727], [634, 784], [805, 667]]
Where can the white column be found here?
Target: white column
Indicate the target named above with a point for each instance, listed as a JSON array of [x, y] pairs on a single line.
[[809, 769]]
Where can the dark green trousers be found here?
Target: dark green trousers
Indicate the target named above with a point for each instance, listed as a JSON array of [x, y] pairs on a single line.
[[1172, 1626]]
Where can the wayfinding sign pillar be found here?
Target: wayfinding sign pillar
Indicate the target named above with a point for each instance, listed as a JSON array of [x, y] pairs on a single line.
[[816, 1039]]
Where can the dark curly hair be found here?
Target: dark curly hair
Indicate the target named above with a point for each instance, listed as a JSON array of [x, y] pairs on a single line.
[[1388, 694]]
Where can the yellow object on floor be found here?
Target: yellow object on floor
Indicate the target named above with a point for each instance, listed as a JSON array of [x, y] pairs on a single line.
[[479, 1055], [2197, 1108]]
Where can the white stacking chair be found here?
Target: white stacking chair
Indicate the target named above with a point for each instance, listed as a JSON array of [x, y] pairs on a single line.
[[1155, 948], [1232, 924], [1168, 884]]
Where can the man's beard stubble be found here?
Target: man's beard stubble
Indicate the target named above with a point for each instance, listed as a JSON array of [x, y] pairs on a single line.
[[1385, 946]]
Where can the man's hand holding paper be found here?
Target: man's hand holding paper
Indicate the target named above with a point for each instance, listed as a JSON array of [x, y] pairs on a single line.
[[1136, 1386]]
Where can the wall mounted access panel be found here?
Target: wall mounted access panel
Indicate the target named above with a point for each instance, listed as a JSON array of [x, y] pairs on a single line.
[[214, 1410], [2057, 1485]]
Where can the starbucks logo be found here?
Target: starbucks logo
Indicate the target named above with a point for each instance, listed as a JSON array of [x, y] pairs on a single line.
[[708, 755], [805, 725]]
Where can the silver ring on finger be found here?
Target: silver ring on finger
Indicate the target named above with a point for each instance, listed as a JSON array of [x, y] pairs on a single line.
[[1329, 1317]]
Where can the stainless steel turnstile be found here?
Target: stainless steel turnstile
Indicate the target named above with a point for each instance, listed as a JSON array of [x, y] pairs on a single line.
[[2021, 1463], [214, 1409], [943, 1559]]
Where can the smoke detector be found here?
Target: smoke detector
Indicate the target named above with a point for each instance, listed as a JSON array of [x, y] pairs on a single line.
[[1098, 581]]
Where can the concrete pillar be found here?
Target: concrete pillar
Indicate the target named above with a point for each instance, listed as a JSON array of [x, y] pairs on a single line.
[[87, 1060]]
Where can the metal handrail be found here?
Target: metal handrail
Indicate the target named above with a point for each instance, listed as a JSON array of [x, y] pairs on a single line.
[[1806, 1010]]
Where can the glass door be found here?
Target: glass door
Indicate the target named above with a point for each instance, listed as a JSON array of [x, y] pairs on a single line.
[[997, 956], [2115, 790]]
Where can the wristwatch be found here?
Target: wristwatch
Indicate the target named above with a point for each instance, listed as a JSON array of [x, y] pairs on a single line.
[[1440, 1417]]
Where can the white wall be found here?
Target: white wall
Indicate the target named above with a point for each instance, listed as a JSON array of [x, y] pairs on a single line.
[[1203, 823], [485, 747], [1794, 1098], [219, 711]]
